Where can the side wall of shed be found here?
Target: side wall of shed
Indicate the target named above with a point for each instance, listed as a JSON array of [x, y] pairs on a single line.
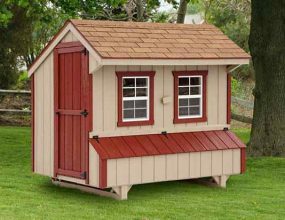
[[105, 101]]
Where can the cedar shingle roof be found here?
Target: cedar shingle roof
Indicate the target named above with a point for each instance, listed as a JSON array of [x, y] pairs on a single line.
[[129, 40]]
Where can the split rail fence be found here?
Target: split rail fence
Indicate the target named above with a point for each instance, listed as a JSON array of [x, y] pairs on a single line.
[[237, 101]]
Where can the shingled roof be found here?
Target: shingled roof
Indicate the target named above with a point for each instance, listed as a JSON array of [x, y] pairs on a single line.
[[138, 40]]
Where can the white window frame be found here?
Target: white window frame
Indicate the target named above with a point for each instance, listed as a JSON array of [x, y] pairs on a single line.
[[191, 96], [135, 98]]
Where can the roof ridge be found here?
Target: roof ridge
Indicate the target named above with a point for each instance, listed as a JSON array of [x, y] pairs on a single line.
[[137, 24]]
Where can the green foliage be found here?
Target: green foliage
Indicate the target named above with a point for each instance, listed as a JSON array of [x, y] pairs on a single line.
[[161, 17], [15, 31], [23, 81], [193, 8], [236, 87]]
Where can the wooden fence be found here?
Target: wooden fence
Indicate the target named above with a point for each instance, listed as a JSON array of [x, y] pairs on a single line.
[[15, 92], [240, 102]]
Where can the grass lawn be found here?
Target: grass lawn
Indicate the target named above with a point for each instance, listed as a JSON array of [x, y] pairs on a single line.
[[259, 194]]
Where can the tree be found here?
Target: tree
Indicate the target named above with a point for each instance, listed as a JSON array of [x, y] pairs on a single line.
[[182, 9], [14, 29], [267, 46], [181, 13]]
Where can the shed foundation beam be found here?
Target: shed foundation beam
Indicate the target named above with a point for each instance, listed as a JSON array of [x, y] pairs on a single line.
[[221, 180], [120, 194]]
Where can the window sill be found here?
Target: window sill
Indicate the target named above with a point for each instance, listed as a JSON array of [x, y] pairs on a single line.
[[189, 120], [135, 123]]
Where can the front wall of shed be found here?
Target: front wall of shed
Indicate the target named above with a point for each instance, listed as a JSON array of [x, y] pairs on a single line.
[[139, 170], [44, 118], [105, 101], [44, 115]]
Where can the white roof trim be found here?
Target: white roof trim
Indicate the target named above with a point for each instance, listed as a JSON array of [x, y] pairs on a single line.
[[172, 62], [50, 48]]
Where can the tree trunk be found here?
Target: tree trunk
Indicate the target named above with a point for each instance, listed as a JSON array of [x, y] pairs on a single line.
[[182, 11], [140, 10], [267, 46]]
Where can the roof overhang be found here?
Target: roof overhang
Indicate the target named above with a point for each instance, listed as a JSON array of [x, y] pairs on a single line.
[[99, 61], [68, 26]]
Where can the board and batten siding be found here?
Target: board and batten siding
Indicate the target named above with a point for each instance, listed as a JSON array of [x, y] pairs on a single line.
[[148, 169], [105, 103], [44, 118]]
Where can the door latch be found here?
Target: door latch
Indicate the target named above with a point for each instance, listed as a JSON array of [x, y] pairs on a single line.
[[84, 113]]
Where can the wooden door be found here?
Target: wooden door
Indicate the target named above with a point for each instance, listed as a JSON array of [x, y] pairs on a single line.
[[72, 110]]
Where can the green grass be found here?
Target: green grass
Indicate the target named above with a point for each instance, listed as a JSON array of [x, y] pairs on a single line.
[[259, 194]]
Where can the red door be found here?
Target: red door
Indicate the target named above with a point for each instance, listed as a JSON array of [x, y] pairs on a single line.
[[72, 110]]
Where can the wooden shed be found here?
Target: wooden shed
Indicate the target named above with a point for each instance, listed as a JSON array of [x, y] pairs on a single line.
[[122, 103]]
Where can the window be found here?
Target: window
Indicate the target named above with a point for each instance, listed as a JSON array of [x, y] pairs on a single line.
[[135, 98], [190, 96]]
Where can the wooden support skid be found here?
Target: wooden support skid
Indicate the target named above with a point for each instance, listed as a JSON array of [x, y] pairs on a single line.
[[118, 193]]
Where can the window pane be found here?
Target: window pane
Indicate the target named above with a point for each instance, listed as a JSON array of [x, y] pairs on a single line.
[[194, 110], [129, 104], [140, 113], [183, 111], [195, 81], [194, 101], [195, 91], [128, 92], [142, 92], [128, 82], [183, 102], [141, 82], [141, 104], [184, 81], [128, 114], [184, 91]]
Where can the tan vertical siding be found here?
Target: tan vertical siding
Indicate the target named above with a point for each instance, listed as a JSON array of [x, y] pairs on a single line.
[[44, 114], [159, 168], [137, 170], [93, 167], [222, 94], [106, 106]]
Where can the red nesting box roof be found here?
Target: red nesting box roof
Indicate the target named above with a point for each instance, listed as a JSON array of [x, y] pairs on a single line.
[[160, 144]]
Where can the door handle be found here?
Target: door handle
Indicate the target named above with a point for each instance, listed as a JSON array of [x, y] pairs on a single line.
[[84, 113]]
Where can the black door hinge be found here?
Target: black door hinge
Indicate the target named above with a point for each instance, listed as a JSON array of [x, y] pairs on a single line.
[[83, 175], [85, 51], [96, 137], [84, 113]]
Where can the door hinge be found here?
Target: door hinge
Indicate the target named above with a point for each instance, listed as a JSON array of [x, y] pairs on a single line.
[[85, 51], [83, 175], [96, 137], [84, 113]]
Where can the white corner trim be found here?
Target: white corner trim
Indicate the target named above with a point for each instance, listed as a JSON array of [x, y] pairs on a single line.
[[50, 48]]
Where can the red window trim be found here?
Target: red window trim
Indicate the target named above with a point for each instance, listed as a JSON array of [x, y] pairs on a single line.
[[202, 73], [122, 74]]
